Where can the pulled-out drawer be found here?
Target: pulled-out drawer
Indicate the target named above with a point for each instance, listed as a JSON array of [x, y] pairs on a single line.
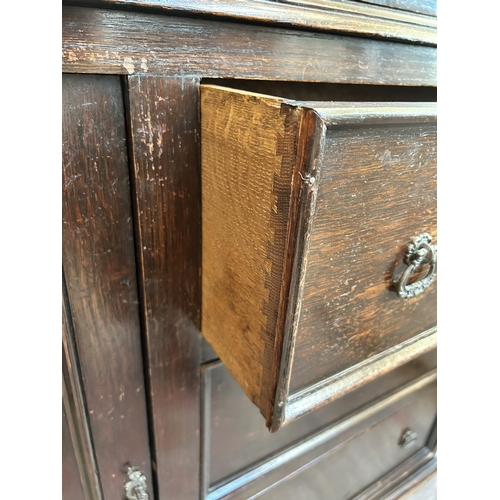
[[317, 267]]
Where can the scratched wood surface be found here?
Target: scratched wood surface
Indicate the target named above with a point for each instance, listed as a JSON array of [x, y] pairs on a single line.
[[116, 42], [164, 130], [339, 15], [100, 271], [377, 190]]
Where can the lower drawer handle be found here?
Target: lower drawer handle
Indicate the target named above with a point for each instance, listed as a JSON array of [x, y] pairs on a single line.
[[136, 487], [419, 251], [408, 439]]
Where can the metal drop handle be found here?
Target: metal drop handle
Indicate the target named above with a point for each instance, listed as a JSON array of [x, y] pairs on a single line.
[[419, 251], [408, 439], [136, 487]]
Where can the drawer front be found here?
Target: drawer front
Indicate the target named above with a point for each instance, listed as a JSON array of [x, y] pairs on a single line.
[[236, 439], [355, 450], [428, 7], [308, 212], [376, 191], [353, 466]]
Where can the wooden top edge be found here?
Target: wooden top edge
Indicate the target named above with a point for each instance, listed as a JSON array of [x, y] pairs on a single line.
[[358, 113], [112, 41], [339, 16], [366, 9], [351, 112], [221, 88]]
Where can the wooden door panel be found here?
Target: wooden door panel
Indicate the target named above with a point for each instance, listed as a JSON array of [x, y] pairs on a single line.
[[100, 270]]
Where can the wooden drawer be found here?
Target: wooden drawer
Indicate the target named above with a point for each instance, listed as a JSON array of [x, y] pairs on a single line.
[[355, 447], [343, 472], [307, 212], [235, 441]]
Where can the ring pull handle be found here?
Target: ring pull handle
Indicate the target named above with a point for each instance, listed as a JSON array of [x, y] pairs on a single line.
[[419, 251], [136, 487]]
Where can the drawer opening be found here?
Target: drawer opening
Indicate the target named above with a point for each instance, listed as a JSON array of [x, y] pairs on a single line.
[[305, 91]]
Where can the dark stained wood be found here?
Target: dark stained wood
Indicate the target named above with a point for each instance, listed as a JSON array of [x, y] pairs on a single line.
[[413, 406], [175, 53], [377, 190], [307, 210], [236, 437], [164, 131], [109, 41], [72, 488], [99, 265], [80, 476], [340, 16]]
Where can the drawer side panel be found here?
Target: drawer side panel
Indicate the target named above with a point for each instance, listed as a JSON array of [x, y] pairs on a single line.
[[249, 155]]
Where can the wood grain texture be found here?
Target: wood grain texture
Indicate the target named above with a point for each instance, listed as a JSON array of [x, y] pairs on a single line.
[[339, 16], [80, 475], [307, 91], [370, 369], [164, 131], [376, 191], [250, 191], [114, 42], [237, 440], [99, 265]]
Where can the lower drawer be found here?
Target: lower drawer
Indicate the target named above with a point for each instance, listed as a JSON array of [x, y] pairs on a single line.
[[351, 467], [333, 460]]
